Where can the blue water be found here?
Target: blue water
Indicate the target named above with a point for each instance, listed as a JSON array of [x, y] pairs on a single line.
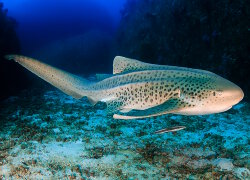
[[44, 21]]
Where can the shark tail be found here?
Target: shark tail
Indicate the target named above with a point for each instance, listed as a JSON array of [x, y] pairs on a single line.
[[70, 84]]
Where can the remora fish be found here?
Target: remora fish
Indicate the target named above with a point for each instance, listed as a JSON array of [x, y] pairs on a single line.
[[170, 129], [139, 90]]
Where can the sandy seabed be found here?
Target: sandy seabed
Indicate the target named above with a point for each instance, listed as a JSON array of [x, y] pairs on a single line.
[[49, 135]]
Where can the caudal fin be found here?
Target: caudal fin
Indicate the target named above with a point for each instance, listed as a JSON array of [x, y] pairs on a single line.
[[68, 83]]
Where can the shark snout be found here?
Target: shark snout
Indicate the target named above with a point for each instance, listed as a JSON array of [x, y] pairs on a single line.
[[237, 94], [233, 94]]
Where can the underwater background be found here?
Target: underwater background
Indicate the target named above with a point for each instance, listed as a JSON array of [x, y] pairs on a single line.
[[45, 134]]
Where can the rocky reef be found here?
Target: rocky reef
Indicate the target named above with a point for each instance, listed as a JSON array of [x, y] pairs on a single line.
[[45, 134], [12, 77], [205, 34]]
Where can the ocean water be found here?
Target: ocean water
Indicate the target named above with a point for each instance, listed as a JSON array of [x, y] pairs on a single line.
[[47, 134]]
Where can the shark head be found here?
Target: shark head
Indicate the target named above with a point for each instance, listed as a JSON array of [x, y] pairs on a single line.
[[217, 96], [225, 95]]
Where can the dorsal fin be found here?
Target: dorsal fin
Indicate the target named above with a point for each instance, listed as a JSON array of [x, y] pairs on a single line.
[[125, 65]]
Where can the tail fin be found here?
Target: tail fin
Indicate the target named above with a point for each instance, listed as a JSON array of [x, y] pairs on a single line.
[[68, 83]]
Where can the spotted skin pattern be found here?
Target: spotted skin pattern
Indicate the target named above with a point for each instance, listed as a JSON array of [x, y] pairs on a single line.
[[138, 90], [146, 89]]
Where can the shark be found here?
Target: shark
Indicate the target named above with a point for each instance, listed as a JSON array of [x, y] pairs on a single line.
[[139, 90]]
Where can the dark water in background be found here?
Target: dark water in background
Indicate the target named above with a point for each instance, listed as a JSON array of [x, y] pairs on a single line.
[[43, 21], [77, 36]]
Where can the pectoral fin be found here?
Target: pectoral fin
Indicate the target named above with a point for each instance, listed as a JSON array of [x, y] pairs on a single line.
[[169, 106], [113, 105]]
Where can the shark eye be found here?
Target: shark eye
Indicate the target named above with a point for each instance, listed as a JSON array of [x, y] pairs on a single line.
[[218, 92]]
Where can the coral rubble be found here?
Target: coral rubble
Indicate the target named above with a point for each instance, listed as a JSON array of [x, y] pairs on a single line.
[[50, 135]]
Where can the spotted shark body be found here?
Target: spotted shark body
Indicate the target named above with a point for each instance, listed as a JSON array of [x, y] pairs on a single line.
[[139, 90]]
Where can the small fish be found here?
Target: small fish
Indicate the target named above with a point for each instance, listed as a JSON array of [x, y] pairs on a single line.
[[170, 129], [139, 90]]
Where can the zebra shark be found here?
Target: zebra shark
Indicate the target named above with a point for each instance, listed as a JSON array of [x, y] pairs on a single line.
[[139, 90]]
